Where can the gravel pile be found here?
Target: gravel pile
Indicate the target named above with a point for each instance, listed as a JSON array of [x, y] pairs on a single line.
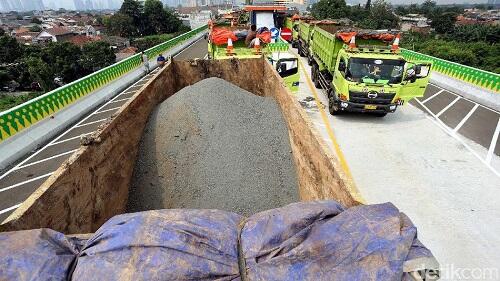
[[213, 145]]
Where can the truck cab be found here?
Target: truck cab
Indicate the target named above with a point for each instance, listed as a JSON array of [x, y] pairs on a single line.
[[370, 77], [287, 66], [375, 82]]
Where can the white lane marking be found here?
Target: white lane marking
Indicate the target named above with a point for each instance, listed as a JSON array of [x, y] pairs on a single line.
[[120, 100], [56, 139], [59, 137], [47, 159], [90, 123], [25, 182], [454, 135], [467, 99], [65, 140], [466, 118], [493, 143], [10, 209], [431, 97], [107, 110], [448, 106]]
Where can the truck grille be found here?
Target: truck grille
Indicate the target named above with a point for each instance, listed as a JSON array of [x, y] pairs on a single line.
[[382, 98]]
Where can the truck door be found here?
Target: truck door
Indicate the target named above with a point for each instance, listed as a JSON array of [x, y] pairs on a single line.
[[416, 80]]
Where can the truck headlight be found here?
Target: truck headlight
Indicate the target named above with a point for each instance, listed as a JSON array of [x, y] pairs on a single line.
[[344, 104], [392, 107]]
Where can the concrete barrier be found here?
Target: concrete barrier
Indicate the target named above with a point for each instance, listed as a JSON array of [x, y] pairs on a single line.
[[93, 184]]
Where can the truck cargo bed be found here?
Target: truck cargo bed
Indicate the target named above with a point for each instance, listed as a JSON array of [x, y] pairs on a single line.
[[93, 185]]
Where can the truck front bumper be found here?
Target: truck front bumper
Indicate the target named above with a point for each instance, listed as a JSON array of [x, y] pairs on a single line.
[[360, 107]]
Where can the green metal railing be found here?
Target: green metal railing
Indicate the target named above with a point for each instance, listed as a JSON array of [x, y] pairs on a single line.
[[23, 116], [481, 78]]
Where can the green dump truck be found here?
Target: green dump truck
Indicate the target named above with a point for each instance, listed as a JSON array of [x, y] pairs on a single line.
[[361, 70]]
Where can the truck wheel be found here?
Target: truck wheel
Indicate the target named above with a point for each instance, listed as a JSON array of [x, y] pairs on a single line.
[[294, 44], [300, 50], [333, 107], [309, 60], [316, 81]]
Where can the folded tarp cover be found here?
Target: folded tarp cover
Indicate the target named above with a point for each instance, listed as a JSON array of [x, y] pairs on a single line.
[[302, 241], [322, 241], [163, 245], [38, 254]]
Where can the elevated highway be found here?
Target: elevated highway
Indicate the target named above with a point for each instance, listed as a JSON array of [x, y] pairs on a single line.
[[437, 159], [18, 182]]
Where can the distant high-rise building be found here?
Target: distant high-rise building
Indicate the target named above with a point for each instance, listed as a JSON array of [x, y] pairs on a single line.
[[89, 5], [79, 5]]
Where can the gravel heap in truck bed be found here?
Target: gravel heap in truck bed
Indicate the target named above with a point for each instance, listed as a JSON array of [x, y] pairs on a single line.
[[214, 145]]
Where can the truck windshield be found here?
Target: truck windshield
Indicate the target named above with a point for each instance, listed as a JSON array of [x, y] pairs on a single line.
[[375, 70]]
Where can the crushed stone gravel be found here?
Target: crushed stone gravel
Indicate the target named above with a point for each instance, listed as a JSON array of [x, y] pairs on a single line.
[[214, 145]]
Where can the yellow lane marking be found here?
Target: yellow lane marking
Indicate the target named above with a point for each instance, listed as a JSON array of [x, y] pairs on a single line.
[[343, 162]]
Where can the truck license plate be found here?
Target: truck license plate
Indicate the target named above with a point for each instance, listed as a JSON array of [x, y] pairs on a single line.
[[370, 107]]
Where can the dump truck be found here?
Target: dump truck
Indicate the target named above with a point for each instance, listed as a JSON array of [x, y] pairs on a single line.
[[361, 70], [78, 225], [227, 41]]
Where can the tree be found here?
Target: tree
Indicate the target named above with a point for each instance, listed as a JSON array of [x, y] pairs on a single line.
[[10, 50], [35, 28], [41, 73], [368, 4], [36, 21], [444, 23], [330, 9], [121, 25], [133, 9], [96, 55], [428, 7], [381, 16]]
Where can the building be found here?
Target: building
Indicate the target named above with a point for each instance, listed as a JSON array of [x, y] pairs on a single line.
[[56, 34], [415, 23]]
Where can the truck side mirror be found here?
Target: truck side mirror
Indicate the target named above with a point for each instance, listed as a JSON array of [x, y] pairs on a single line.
[[418, 69], [342, 66], [284, 70], [411, 75]]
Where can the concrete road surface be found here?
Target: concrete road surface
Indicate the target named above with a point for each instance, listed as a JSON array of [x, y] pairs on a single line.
[[439, 179]]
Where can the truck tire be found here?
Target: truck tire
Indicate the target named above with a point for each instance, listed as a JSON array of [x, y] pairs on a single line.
[[316, 81], [294, 44], [300, 50], [333, 106], [309, 60]]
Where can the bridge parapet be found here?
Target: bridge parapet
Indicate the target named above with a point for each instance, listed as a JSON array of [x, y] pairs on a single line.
[[477, 77], [18, 118]]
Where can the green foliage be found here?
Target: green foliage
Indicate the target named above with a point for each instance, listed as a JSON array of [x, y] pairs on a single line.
[[7, 102], [96, 55], [121, 25], [147, 42], [478, 54], [35, 28], [444, 23], [36, 21], [40, 71], [330, 9], [475, 33], [10, 50], [133, 19], [380, 16]]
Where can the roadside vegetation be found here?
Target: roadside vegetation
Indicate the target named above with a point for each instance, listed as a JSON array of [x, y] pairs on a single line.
[[42, 68], [473, 45]]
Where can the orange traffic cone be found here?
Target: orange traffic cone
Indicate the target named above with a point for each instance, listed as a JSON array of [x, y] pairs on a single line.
[[352, 42], [395, 44], [256, 46], [230, 48]]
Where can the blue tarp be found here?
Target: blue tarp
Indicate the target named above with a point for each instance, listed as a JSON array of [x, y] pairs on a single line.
[[39, 254], [322, 241], [302, 241], [163, 245]]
